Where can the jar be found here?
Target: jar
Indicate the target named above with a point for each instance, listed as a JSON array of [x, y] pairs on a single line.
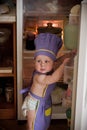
[[49, 28], [30, 41], [9, 94]]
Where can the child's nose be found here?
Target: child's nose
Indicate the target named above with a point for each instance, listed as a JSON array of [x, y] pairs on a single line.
[[42, 63]]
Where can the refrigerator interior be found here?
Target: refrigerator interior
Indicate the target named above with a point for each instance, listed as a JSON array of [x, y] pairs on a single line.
[[33, 18]]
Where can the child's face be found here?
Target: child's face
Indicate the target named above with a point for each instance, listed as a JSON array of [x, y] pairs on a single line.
[[43, 64]]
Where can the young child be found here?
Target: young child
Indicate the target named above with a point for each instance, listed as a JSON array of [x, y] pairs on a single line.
[[37, 104]]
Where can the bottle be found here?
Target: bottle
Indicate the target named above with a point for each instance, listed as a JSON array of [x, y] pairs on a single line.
[[71, 32], [9, 94]]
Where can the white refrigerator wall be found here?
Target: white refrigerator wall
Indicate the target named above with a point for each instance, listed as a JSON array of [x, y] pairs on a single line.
[[81, 96]]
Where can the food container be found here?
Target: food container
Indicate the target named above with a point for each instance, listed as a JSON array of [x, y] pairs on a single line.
[[68, 74], [9, 94]]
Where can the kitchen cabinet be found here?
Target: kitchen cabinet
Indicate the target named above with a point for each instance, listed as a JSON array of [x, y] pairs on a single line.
[[8, 68]]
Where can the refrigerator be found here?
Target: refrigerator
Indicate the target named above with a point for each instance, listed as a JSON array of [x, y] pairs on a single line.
[[79, 92]]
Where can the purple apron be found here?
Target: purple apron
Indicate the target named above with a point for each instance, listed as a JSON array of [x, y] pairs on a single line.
[[44, 110]]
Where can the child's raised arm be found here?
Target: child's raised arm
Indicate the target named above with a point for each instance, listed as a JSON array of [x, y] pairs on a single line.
[[55, 77]]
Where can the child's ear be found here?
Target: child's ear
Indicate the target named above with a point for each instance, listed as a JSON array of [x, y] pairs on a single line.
[[55, 65]]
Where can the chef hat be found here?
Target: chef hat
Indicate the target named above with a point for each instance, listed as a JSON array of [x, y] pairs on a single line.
[[47, 44]]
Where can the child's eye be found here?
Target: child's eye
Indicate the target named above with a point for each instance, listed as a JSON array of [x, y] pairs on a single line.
[[46, 61], [38, 61]]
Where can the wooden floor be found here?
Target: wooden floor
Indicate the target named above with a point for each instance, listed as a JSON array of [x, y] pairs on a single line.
[[21, 125]]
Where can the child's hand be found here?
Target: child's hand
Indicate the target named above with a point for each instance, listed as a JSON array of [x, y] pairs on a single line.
[[72, 53], [66, 61]]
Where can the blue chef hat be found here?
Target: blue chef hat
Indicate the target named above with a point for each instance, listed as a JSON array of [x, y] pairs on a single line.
[[47, 44]]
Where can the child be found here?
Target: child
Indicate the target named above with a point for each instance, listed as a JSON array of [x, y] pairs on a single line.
[[37, 104]]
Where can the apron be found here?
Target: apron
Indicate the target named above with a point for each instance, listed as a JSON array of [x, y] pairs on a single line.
[[44, 109]]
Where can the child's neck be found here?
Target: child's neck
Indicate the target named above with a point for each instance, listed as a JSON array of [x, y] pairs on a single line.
[[47, 73]]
